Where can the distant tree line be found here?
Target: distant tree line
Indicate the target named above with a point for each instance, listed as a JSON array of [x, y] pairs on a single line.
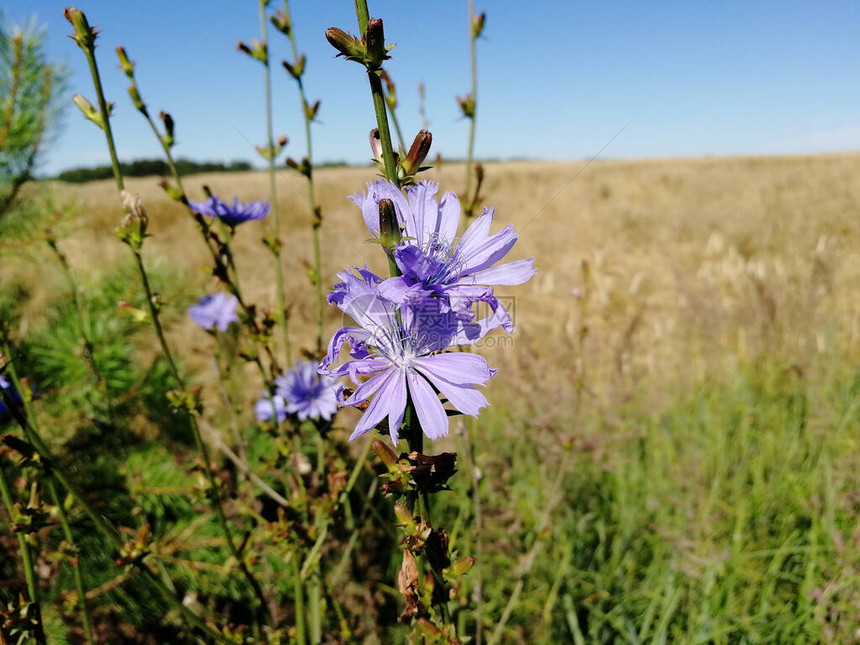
[[150, 167]]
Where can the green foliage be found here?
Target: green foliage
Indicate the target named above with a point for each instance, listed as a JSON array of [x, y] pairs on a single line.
[[29, 86], [725, 519], [150, 167]]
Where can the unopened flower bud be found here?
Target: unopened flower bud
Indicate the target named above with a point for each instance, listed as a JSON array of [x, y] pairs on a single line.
[[282, 141], [403, 515], [389, 229], [124, 63], [135, 98], [168, 128], [386, 455], [296, 69], [281, 22], [257, 50], [417, 153], [311, 111], [462, 565], [428, 629], [478, 25], [346, 44], [376, 145], [467, 105], [172, 191], [88, 110], [375, 41], [84, 35]]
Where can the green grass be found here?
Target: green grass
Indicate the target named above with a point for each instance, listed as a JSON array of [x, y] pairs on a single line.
[[725, 518]]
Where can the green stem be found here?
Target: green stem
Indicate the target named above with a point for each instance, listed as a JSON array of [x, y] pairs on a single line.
[[76, 565], [473, 58], [471, 428], [393, 113], [379, 108], [105, 113], [273, 194], [26, 559], [298, 591], [314, 593], [315, 210]]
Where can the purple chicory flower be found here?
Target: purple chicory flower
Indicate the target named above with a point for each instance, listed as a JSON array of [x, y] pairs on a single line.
[[308, 394], [431, 258], [215, 310], [302, 391], [268, 406], [400, 355], [231, 214]]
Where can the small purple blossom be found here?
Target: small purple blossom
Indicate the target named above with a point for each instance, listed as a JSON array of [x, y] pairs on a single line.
[[215, 310], [269, 406], [302, 391], [308, 394], [434, 263], [231, 214], [398, 348]]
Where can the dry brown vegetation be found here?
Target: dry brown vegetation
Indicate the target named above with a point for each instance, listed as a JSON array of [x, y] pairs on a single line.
[[691, 263]]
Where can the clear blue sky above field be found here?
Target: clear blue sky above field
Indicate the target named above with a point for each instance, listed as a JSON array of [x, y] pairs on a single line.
[[557, 80]]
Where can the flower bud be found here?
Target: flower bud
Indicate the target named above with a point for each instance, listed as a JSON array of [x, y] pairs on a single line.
[[386, 455], [467, 105], [403, 515], [257, 50], [389, 229], [376, 145], [88, 110], [135, 99], [346, 44], [478, 25], [170, 190], [375, 42], [84, 35], [417, 154], [296, 69], [124, 63], [168, 128], [462, 565], [311, 111], [281, 22]]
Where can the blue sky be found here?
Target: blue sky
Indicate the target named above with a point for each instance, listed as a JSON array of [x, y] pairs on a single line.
[[557, 80]]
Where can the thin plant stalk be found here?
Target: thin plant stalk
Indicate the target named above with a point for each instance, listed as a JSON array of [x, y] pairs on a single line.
[[76, 565], [474, 480], [299, 599], [470, 153], [105, 114], [379, 108], [315, 209], [26, 560], [273, 192]]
